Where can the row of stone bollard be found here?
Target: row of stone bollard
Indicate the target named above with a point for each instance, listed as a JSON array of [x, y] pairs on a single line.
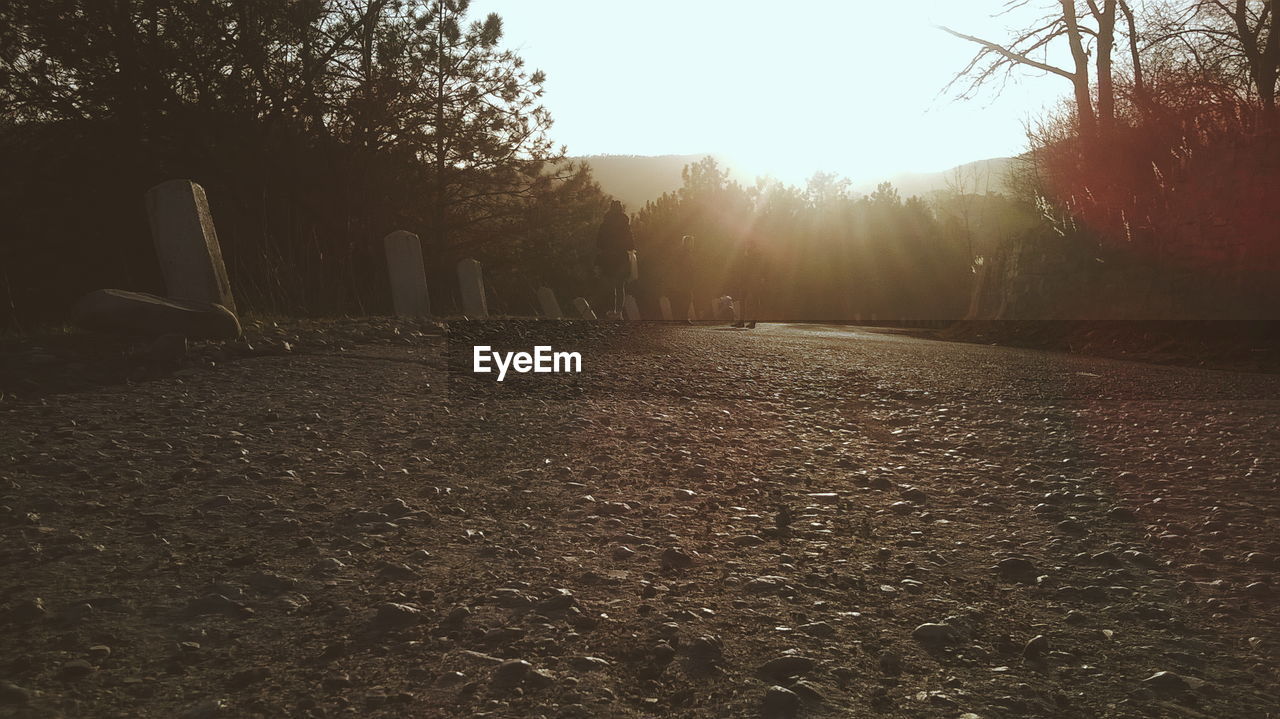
[[405, 269], [410, 298], [199, 302]]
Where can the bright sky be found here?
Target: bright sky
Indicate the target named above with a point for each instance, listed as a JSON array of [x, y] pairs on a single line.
[[780, 88]]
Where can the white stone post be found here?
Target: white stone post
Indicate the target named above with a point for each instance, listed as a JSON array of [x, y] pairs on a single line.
[[187, 244], [550, 307], [409, 294], [471, 283], [584, 308]]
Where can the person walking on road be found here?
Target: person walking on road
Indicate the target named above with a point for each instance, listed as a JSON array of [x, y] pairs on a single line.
[[614, 244], [681, 277], [750, 279]]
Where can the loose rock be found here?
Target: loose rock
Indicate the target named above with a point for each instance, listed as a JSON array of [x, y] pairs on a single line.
[[779, 703]]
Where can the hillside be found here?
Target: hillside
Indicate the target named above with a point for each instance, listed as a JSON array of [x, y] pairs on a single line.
[[636, 179], [978, 177]]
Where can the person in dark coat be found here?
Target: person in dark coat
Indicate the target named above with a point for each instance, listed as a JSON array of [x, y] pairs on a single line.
[[613, 243], [681, 277], [750, 280]]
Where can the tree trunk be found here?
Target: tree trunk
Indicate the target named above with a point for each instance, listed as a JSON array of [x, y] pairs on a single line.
[[1106, 43], [1080, 77], [1135, 57]]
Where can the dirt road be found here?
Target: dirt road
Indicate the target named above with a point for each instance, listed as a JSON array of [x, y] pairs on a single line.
[[792, 520]]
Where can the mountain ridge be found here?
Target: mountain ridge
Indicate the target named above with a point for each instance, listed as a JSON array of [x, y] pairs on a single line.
[[638, 179]]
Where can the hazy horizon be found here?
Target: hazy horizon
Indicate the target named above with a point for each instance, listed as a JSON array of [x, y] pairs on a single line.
[[850, 88]]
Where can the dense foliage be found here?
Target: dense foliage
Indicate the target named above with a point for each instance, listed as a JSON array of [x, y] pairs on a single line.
[[1162, 172], [316, 127], [828, 254]]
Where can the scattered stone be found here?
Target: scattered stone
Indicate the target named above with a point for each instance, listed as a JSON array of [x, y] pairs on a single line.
[[248, 677], [786, 666], [208, 709], [1166, 683], [510, 598], [1121, 514], [271, 583], [1258, 559], [1106, 559], [556, 603], [335, 682], [1073, 527], [481, 657], [588, 664], [779, 703], [499, 636], [328, 565], [76, 668], [705, 649], [217, 502], [28, 610], [661, 655], [764, 584], [912, 494], [540, 678], [1142, 559], [817, 629], [934, 636], [393, 615], [808, 693], [1016, 568], [890, 663], [395, 571], [12, 694], [511, 673], [457, 616], [673, 558], [218, 604], [1036, 648], [396, 508]]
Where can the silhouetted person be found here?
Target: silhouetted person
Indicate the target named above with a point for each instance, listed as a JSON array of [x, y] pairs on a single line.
[[613, 242], [681, 276], [750, 280]]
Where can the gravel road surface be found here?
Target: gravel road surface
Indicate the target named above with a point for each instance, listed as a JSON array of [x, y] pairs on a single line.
[[796, 520]]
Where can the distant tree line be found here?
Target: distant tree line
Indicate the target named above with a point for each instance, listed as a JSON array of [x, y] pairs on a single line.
[[1165, 164], [316, 126], [828, 254]]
